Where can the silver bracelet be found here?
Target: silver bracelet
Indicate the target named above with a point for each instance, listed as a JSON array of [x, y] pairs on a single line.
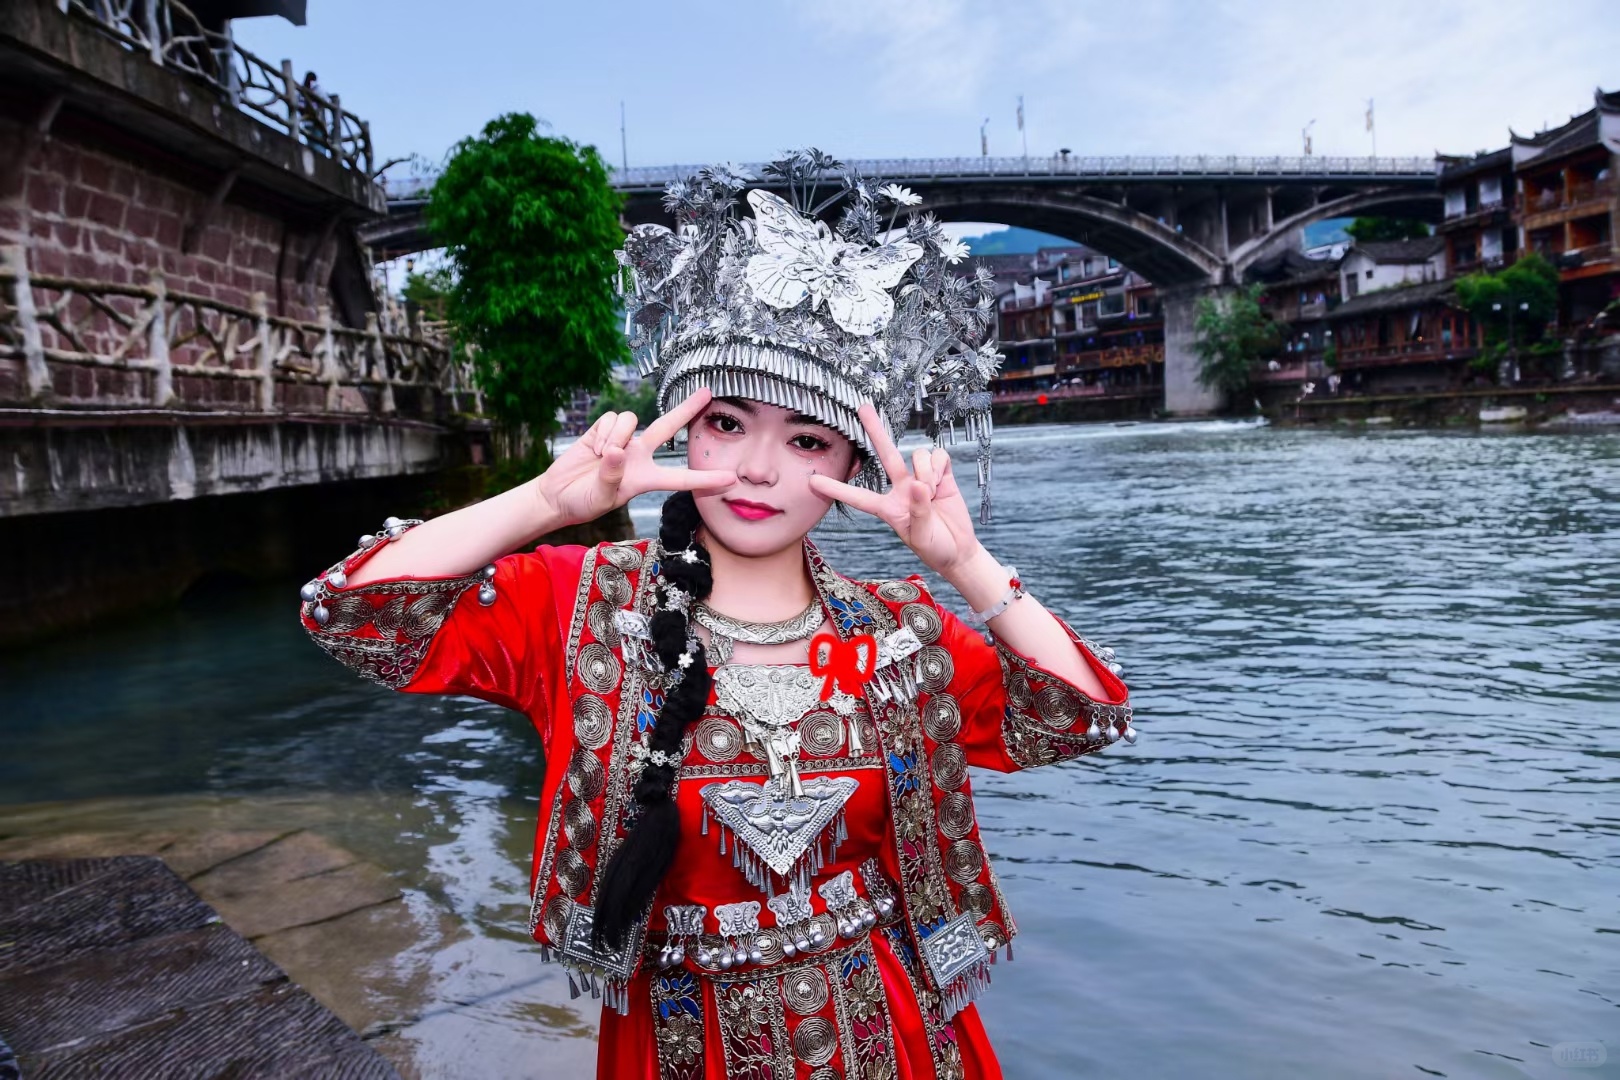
[[1015, 589]]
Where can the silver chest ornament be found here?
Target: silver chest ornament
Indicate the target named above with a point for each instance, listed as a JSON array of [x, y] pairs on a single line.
[[788, 828]]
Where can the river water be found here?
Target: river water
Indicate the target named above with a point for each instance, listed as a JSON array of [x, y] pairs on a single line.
[[1371, 826]]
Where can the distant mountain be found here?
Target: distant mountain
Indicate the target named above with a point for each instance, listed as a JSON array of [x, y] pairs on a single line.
[[1330, 231], [1013, 241]]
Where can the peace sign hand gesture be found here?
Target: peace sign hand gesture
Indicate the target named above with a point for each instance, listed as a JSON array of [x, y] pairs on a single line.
[[923, 505], [610, 464]]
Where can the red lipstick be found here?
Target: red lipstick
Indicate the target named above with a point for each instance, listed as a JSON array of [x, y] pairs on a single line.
[[751, 511]]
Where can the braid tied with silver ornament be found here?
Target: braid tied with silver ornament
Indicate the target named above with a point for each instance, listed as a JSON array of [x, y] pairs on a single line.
[[639, 863]]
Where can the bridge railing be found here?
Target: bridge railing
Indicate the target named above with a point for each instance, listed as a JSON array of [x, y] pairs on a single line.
[[171, 36], [74, 343], [1136, 167]]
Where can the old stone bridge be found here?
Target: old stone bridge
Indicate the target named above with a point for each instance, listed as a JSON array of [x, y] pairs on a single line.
[[1191, 225]]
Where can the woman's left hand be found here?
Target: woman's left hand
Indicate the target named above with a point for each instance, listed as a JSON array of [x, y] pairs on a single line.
[[923, 505]]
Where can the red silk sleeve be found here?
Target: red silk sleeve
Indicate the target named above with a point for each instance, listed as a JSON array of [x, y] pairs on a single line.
[[439, 636], [1017, 714]]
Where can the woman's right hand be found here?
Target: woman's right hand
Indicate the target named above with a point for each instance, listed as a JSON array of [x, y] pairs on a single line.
[[610, 464]]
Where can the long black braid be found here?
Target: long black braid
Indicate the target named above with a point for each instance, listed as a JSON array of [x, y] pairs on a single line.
[[633, 873]]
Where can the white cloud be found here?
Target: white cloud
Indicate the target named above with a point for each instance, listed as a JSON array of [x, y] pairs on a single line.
[[919, 53], [1225, 76]]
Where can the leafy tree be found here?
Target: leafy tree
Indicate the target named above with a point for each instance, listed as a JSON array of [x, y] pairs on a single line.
[[429, 290], [1229, 335], [642, 401], [1385, 228], [1495, 299], [529, 225]]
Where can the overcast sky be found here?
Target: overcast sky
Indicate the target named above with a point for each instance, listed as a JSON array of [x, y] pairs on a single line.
[[708, 81]]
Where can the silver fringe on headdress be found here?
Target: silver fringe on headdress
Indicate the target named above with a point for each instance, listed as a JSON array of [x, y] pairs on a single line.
[[785, 309]]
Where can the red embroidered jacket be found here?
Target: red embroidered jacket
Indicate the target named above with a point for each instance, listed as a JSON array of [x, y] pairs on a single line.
[[537, 633]]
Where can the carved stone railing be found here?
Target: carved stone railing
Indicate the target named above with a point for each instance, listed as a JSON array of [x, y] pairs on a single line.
[[1077, 167], [175, 350], [169, 34]]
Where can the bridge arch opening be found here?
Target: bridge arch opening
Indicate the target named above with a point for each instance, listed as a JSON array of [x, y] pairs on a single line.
[[1072, 321]]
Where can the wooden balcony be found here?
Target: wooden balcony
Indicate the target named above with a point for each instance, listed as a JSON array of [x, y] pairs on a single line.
[[1579, 200], [1124, 356], [1482, 214], [1298, 367], [1411, 352], [1064, 393]]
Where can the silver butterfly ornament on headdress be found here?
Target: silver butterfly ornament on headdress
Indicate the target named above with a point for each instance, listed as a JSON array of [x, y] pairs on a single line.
[[783, 308]]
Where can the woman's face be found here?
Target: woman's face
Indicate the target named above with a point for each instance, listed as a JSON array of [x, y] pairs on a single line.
[[774, 452]]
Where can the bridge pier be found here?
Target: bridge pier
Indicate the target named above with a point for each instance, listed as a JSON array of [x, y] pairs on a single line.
[[1183, 394]]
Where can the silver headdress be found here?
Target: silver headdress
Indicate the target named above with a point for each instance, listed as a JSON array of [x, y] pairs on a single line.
[[783, 308]]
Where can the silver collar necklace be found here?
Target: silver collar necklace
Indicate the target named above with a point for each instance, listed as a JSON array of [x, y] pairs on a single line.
[[725, 630]]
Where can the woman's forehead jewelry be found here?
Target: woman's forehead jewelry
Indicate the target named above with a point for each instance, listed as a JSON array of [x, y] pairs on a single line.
[[785, 308]]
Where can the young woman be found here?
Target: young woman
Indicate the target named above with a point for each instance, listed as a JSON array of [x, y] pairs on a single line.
[[757, 837]]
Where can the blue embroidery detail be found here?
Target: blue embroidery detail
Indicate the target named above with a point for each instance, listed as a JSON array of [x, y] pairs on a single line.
[[854, 962], [901, 944], [849, 614], [678, 994], [905, 770], [926, 930], [647, 715]]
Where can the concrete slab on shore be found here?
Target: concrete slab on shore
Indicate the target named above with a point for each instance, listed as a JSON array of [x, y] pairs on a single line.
[[427, 990], [114, 966]]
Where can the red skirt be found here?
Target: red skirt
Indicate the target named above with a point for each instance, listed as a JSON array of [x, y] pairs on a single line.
[[851, 1013]]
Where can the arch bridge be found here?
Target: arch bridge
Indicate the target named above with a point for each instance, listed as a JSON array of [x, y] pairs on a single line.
[[1191, 225]]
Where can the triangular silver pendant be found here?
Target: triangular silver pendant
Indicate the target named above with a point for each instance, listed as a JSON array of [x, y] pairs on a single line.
[[774, 831]]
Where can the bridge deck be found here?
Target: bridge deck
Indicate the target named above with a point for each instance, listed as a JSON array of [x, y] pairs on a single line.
[[1119, 169]]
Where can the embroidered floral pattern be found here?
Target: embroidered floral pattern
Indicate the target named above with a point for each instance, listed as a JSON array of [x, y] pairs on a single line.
[[677, 1004], [864, 1009], [1046, 719], [753, 1031], [404, 616]]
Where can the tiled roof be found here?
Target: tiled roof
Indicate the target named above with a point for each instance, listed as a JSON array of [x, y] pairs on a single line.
[[1422, 249], [1291, 266], [1457, 168], [1405, 296], [1579, 133]]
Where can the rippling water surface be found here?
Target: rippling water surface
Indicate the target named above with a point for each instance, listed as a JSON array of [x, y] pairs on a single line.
[[1370, 827]]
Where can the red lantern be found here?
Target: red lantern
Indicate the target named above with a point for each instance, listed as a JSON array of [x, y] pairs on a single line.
[[1040, 399]]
